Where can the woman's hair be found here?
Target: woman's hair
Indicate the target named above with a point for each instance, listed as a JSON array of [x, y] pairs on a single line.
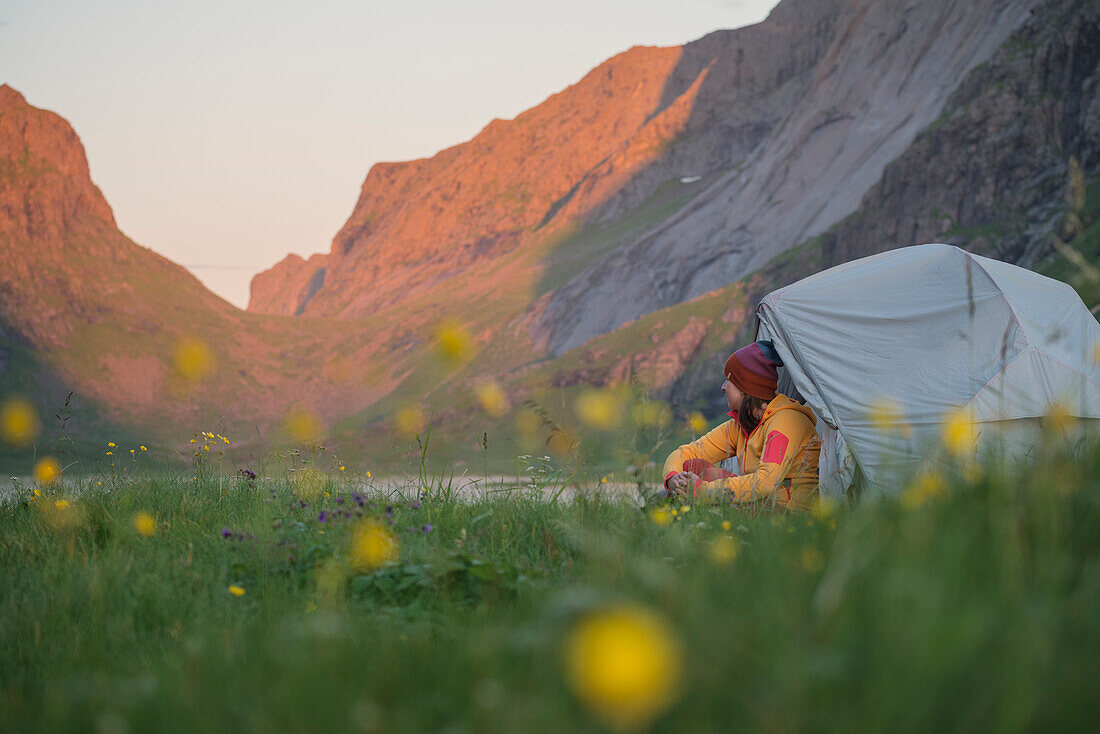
[[746, 414]]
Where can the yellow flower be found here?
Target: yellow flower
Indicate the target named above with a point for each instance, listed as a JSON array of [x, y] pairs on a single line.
[[236, 590], [697, 423], [685, 509], [453, 343], [886, 416], [813, 560], [47, 470], [603, 480], [303, 426], [492, 399], [599, 409], [368, 474], [925, 487], [723, 550], [959, 434], [18, 422], [372, 546], [341, 468], [673, 512], [145, 524], [37, 492], [110, 453], [623, 664], [143, 448], [825, 508], [409, 421], [652, 414], [661, 516], [110, 444], [192, 359], [61, 504], [725, 524], [1059, 419]]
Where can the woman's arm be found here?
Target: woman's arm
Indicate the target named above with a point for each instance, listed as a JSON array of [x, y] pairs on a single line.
[[785, 434], [713, 446]]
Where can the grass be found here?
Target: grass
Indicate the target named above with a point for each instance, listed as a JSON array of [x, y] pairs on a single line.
[[974, 610]]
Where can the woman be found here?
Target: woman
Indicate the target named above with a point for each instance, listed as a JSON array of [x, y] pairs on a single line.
[[772, 436]]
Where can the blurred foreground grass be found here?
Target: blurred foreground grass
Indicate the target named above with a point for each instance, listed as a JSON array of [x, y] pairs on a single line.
[[161, 602]]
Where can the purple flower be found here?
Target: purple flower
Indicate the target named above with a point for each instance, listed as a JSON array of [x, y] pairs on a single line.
[[322, 516], [427, 528], [226, 532], [389, 511], [339, 500], [415, 505]]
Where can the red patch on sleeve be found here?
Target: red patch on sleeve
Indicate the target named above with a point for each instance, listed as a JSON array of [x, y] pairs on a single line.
[[775, 448]]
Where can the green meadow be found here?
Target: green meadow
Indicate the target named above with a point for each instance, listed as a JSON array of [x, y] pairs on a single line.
[[326, 600]]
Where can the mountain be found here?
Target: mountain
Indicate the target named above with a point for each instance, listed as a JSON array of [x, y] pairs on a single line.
[[750, 140]]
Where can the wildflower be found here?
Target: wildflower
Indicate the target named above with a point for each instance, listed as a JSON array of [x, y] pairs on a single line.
[[812, 559], [341, 468], [492, 399], [651, 414], [825, 508], [661, 516], [725, 524], [623, 664], [603, 480], [685, 509], [192, 359], [61, 504], [723, 550], [110, 453], [236, 590], [368, 475], [453, 343], [428, 528], [1059, 419], [409, 421], [886, 416], [673, 512], [925, 487], [599, 409], [697, 423], [18, 422], [959, 434], [303, 426], [47, 470], [110, 444], [226, 532], [322, 516], [143, 448], [372, 546], [562, 442], [145, 524]]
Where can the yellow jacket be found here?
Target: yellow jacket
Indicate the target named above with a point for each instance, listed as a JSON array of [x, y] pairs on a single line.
[[779, 457]]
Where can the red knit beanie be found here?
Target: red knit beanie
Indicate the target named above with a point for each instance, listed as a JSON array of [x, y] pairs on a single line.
[[754, 372]]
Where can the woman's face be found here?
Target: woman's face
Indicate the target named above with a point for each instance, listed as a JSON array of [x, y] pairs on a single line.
[[733, 395]]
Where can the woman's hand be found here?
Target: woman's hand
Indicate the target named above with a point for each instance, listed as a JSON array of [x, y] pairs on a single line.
[[679, 484]]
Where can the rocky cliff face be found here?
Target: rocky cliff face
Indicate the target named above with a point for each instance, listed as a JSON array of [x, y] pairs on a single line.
[[592, 151], [885, 75]]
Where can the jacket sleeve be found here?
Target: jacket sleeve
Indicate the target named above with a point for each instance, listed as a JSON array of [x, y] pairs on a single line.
[[785, 434], [714, 446]]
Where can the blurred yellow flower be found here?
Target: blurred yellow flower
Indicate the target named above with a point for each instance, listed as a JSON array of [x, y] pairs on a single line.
[[561, 442], [527, 422], [110, 453], [924, 487], [453, 343], [61, 504], [192, 359], [623, 664], [236, 590], [959, 434], [110, 444], [685, 509], [723, 550], [1059, 419], [47, 470], [303, 426], [825, 508], [372, 546], [813, 560], [661, 516], [145, 524], [886, 416], [341, 468], [409, 421], [697, 423], [599, 409], [652, 414], [143, 448], [18, 422], [725, 524], [492, 399]]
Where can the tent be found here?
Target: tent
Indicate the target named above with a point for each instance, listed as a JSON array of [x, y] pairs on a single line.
[[929, 331]]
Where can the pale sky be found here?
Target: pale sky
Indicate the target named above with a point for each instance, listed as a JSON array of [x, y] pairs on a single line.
[[226, 135]]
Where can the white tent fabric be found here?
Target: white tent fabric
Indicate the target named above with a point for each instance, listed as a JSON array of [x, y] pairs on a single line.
[[930, 329]]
